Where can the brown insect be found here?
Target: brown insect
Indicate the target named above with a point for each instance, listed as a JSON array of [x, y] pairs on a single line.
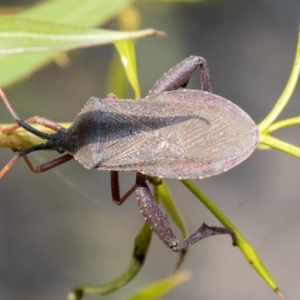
[[172, 133]]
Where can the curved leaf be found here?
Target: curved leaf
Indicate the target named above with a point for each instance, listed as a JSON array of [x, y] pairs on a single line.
[[158, 289], [87, 13], [19, 35]]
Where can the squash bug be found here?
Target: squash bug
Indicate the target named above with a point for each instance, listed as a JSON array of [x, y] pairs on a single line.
[[172, 133]]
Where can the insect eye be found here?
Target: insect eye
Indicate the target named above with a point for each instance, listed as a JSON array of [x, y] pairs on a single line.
[[60, 150]]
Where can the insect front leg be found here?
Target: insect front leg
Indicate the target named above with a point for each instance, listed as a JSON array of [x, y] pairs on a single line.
[[48, 165], [159, 223], [36, 169], [179, 76]]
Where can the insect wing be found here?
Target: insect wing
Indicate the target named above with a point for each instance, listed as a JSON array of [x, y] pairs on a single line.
[[179, 134]]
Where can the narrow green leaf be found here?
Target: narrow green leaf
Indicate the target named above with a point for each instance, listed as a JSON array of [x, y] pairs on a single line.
[[127, 55], [284, 123], [171, 208], [275, 143], [21, 35], [175, 214], [158, 289], [241, 242], [116, 79], [87, 13], [286, 94], [141, 245]]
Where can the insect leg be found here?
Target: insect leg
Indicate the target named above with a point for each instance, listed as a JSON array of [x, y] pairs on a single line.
[[201, 233], [159, 223], [179, 76], [115, 188], [38, 169], [48, 165], [43, 121], [152, 213]]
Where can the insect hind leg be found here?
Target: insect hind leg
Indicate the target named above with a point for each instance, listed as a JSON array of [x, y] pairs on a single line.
[[159, 223], [179, 76]]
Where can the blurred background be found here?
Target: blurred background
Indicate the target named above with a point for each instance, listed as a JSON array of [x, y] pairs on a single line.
[[61, 228]]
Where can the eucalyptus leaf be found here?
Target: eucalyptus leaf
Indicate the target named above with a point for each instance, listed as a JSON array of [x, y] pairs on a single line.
[[19, 35], [85, 14]]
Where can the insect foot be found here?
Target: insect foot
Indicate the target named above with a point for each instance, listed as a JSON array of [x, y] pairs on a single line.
[[203, 232]]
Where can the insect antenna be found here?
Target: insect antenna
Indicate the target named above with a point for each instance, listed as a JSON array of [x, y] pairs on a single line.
[[27, 127], [19, 121]]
